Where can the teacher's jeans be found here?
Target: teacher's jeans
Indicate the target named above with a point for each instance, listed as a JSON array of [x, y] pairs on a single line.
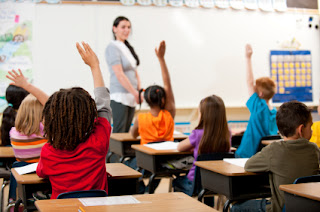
[[122, 117]]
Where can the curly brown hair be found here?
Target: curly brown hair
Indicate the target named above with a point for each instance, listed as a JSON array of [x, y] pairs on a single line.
[[69, 118]]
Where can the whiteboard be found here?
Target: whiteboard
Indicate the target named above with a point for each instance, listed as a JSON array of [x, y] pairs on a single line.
[[205, 47]]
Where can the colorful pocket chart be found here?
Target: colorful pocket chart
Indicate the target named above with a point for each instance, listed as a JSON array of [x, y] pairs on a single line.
[[292, 72]]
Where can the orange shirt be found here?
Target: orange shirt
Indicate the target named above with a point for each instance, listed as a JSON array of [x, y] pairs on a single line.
[[153, 128]]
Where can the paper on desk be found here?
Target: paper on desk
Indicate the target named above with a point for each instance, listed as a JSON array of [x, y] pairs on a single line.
[[167, 145], [236, 161], [120, 200], [27, 169], [175, 132]]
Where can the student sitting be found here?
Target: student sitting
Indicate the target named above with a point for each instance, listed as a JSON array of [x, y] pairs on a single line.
[[78, 133], [291, 158], [14, 97], [262, 120], [27, 136], [211, 135], [157, 124]]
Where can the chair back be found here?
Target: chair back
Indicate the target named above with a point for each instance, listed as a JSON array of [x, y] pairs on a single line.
[[307, 179], [269, 137], [81, 194], [196, 184]]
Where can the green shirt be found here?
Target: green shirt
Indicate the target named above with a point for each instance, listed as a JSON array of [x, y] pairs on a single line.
[[285, 161]]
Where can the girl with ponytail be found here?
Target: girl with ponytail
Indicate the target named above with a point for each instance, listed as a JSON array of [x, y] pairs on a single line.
[[122, 61], [157, 124]]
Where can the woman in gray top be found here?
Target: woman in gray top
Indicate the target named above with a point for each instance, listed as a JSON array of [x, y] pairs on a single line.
[[124, 79]]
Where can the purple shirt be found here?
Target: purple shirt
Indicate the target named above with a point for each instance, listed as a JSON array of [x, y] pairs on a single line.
[[195, 138]]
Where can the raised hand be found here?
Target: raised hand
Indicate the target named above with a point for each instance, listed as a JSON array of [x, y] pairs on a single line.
[[18, 79], [160, 52], [248, 51], [88, 55]]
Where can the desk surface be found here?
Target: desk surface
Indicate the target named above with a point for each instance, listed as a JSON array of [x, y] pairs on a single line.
[[151, 151], [224, 168], [123, 137], [115, 171], [6, 152], [267, 142], [149, 202], [308, 190]]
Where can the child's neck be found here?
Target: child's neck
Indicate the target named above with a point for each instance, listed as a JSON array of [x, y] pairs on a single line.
[[294, 137], [155, 111]]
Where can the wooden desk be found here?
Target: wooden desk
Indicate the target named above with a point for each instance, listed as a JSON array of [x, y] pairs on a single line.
[[233, 181], [120, 144], [302, 196], [151, 160], [122, 180], [149, 202], [7, 156]]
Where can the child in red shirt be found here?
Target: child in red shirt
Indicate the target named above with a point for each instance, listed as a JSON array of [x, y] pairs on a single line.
[[78, 132]]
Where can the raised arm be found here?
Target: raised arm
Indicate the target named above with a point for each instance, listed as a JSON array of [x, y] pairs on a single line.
[[91, 59], [18, 79], [250, 79], [170, 104], [102, 96]]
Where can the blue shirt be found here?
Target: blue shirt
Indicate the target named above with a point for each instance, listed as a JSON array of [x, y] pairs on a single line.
[[262, 122]]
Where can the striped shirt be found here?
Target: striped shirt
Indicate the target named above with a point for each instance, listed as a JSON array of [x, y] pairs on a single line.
[[27, 148]]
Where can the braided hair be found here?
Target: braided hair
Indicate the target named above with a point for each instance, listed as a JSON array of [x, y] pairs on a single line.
[[14, 97], [155, 96], [69, 116], [115, 24]]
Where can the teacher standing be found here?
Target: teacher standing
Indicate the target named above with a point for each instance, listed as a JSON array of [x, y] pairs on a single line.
[[124, 79]]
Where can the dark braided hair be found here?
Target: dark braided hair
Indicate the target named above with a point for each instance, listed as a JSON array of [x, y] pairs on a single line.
[[14, 96], [69, 118], [115, 24], [155, 96]]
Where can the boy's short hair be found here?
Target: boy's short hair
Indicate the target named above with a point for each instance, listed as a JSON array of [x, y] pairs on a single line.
[[290, 115], [267, 86]]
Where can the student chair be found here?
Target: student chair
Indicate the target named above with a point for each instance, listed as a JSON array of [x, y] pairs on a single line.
[[5, 174], [269, 137], [80, 194], [196, 185]]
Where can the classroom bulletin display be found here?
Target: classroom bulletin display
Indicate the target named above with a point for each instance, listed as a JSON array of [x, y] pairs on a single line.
[[292, 72], [16, 21]]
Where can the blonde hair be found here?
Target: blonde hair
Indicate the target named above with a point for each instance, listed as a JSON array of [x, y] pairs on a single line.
[[29, 116], [266, 86]]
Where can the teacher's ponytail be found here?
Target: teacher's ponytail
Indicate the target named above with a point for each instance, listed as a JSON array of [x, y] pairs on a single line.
[[134, 54]]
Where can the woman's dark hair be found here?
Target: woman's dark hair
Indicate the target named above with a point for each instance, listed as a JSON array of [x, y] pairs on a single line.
[[14, 97], [155, 96], [115, 24], [69, 116]]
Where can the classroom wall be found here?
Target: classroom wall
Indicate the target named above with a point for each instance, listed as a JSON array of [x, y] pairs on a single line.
[[205, 47]]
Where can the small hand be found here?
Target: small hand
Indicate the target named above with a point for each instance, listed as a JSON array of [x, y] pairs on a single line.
[[88, 55], [18, 79], [161, 50], [248, 51]]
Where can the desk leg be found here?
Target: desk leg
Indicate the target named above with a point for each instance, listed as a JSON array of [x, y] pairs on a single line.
[[151, 183]]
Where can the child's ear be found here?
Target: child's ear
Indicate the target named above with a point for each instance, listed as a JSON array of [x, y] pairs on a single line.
[[260, 94], [299, 130]]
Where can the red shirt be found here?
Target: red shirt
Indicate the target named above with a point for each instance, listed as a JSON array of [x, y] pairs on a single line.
[[81, 169]]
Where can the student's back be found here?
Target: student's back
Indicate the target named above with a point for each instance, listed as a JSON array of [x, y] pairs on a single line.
[[157, 124]]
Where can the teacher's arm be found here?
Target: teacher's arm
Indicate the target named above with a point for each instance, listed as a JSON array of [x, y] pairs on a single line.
[[125, 82]]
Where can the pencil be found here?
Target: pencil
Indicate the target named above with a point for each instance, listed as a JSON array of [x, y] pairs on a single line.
[[81, 209]]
